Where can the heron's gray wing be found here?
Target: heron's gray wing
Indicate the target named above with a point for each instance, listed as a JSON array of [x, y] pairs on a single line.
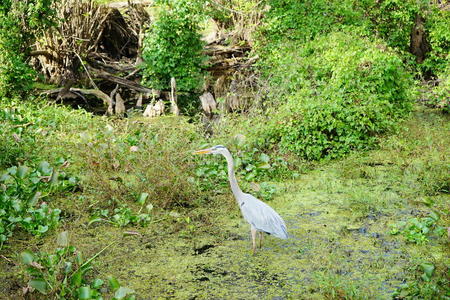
[[262, 216]]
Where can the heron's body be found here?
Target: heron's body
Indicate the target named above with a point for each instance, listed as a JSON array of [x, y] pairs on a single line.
[[258, 214], [262, 217]]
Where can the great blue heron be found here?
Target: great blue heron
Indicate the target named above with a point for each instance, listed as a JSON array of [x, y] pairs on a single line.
[[261, 217]]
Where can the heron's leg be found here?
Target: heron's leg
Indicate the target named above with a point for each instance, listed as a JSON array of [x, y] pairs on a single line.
[[253, 231], [261, 237]]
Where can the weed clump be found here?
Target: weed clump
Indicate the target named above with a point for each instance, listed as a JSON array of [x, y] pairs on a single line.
[[149, 157]]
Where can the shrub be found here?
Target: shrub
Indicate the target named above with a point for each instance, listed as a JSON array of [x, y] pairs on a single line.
[[15, 74], [172, 47], [343, 91], [438, 60], [21, 22]]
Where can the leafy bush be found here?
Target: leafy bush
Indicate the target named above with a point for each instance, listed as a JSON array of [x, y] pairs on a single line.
[[438, 59], [172, 47], [343, 91], [15, 74], [21, 22], [21, 206], [303, 21], [64, 274]]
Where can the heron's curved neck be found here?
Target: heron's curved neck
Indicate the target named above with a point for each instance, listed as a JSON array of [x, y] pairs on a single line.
[[231, 176]]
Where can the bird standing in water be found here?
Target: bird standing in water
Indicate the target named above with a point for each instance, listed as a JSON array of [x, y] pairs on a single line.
[[261, 217]]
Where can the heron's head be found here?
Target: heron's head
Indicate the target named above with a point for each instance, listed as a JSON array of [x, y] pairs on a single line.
[[219, 149]]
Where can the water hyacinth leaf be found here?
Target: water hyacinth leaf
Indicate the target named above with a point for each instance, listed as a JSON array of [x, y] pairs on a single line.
[[142, 198], [264, 158], [113, 283], [44, 168], [42, 229], [67, 267], [22, 171], [26, 257], [97, 283], [60, 160], [84, 292], [63, 239], [39, 285], [12, 171], [122, 292], [428, 269]]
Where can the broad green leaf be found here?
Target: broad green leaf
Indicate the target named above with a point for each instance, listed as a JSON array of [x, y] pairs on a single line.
[[44, 168], [113, 283], [42, 229], [264, 158], [12, 170], [97, 283], [77, 278], [142, 198], [26, 257], [84, 292], [39, 285], [122, 292], [22, 171], [428, 269], [4, 177]]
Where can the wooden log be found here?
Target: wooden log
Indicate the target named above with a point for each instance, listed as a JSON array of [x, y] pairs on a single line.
[[121, 81]]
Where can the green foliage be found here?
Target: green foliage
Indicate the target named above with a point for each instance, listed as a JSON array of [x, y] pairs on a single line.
[[393, 20], [20, 23], [15, 74], [417, 230], [251, 164], [305, 20], [22, 190], [64, 274], [438, 60], [172, 47], [152, 158], [343, 91], [16, 137], [123, 215], [430, 283]]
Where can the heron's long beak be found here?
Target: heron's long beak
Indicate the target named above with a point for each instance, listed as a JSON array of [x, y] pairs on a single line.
[[204, 151]]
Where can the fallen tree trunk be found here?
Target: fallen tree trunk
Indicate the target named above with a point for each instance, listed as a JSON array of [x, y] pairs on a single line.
[[121, 81], [97, 93]]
